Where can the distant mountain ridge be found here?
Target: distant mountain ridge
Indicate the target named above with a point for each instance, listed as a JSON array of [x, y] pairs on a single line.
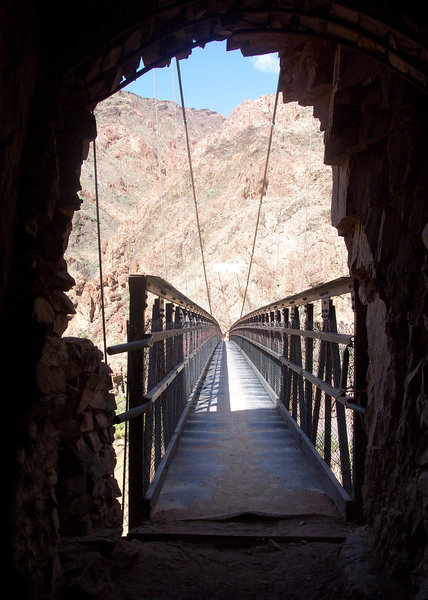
[[148, 220]]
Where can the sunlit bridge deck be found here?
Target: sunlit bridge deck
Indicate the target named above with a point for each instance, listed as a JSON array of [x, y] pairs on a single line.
[[237, 455]]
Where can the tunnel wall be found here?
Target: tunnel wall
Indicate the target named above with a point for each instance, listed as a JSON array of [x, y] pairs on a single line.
[[375, 129], [59, 456], [375, 133]]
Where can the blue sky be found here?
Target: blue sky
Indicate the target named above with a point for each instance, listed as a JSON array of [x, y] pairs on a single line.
[[212, 78]]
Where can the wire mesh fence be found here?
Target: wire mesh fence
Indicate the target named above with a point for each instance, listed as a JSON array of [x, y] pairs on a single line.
[[306, 355]]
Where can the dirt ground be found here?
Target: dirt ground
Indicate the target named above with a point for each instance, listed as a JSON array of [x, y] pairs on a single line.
[[177, 571], [267, 568], [132, 569]]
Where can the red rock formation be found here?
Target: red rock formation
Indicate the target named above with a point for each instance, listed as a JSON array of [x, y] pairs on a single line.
[[145, 205]]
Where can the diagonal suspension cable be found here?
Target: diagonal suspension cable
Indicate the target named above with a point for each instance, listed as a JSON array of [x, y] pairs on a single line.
[[100, 264], [183, 250], [262, 193], [193, 181]]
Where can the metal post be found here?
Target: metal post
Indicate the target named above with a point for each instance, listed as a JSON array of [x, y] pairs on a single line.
[[309, 365], [327, 398], [287, 370], [169, 364], [152, 418], [178, 357], [318, 393], [298, 391], [278, 349], [345, 465], [137, 306], [272, 343], [160, 374]]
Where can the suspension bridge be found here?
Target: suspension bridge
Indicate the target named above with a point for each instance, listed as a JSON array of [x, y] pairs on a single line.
[[262, 424]]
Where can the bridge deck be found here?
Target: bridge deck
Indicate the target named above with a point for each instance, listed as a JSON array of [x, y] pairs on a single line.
[[237, 455]]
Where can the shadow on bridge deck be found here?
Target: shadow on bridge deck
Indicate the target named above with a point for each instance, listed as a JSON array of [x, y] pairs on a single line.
[[237, 455], [237, 460]]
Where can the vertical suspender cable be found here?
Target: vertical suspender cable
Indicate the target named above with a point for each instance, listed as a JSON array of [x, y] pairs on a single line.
[[175, 106], [193, 182], [183, 250], [308, 172], [278, 235], [263, 191], [99, 253], [160, 177]]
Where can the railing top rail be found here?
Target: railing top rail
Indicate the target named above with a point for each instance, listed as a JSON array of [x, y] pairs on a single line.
[[148, 340], [337, 287], [329, 336], [158, 286]]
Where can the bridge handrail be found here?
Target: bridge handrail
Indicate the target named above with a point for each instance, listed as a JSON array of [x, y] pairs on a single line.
[[162, 288], [165, 368], [336, 287], [152, 395], [339, 338], [308, 372], [338, 394], [148, 340]]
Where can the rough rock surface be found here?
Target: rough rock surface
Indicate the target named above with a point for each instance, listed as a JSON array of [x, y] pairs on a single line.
[[86, 489], [147, 214]]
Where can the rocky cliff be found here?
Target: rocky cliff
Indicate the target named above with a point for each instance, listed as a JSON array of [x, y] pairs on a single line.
[[147, 213]]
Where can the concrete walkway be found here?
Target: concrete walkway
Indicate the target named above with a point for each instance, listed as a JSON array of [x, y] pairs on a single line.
[[236, 454]]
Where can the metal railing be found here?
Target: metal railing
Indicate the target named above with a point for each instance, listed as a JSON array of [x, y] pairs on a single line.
[[315, 369], [170, 342]]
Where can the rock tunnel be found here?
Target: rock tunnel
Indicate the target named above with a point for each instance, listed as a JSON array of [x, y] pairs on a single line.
[[363, 68]]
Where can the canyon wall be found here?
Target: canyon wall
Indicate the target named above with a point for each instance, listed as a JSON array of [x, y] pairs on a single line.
[[147, 214]]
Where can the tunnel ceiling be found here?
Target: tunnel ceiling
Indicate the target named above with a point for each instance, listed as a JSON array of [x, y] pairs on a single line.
[[96, 48]]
